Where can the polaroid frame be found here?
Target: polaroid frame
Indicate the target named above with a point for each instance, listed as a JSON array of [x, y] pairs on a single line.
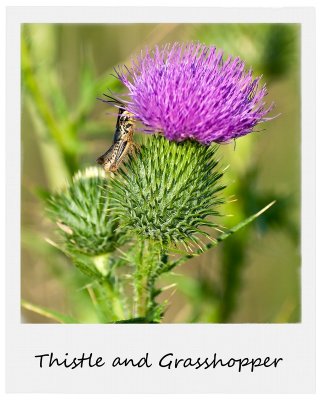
[[295, 343]]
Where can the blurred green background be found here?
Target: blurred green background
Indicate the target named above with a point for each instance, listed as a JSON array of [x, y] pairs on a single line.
[[252, 277]]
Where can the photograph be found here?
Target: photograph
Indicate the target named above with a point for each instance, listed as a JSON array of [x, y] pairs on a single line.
[[160, 173]]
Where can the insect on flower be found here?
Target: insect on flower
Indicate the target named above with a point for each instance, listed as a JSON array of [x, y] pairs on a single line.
[[122, 140]]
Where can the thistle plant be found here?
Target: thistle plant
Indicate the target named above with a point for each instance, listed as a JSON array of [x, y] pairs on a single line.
[[83, 216], [166, 194], [162, 206], [189, 92]]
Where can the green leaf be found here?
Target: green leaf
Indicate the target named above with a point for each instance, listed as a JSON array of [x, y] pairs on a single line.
[[86, 267], [221, 238], [48, 313], [139, 320]]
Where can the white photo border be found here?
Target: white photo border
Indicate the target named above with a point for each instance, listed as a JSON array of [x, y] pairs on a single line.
[[295, 343]]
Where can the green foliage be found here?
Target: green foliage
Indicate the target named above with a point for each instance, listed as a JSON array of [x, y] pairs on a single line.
[[51, 314], [269, 48], [166, 184], [82, 213], [63, 129], [168, 192]]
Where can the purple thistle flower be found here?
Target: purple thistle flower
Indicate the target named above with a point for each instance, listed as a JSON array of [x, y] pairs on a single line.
[[187, 91]]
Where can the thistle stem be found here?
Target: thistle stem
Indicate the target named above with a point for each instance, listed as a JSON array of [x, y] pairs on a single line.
[[109, 285], [145, 278], [117, 312], [140, 282]]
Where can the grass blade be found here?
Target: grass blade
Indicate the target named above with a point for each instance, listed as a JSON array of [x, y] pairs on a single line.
[[48, 313]]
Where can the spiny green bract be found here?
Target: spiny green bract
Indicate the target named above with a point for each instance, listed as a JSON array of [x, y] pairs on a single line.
[[166, 192], [82, 213]]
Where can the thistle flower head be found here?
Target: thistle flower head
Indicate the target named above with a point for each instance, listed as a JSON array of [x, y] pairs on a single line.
[[187, 91], [82, 213], [167, 192]]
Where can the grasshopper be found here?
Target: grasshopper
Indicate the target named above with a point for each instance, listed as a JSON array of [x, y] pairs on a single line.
[[122, 141]]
